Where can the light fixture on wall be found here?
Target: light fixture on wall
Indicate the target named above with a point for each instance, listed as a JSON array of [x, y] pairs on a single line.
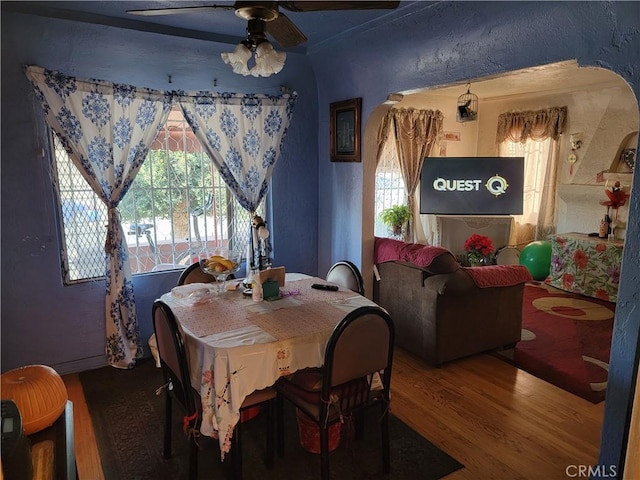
[[267, 60], [467, 110], [576, 142]]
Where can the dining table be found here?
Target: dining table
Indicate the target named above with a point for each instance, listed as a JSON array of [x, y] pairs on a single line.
[[236, 345]]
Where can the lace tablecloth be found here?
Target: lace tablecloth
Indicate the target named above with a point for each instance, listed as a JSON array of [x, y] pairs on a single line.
[[236, 346]]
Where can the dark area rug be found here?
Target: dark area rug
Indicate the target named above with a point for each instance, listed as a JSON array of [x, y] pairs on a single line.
[[128, 420], [566, 340]]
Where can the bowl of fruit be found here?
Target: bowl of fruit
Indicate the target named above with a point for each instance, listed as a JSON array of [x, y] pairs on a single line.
[[221, 265]]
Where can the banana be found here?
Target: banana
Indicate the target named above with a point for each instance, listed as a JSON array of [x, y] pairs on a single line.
[[220, 264], [229, 265]]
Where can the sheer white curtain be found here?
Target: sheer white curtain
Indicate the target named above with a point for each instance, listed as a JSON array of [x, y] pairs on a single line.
[[534, 135], [537, 154], [107, 130]]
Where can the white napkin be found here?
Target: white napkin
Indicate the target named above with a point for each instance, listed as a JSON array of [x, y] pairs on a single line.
[[193, 293]]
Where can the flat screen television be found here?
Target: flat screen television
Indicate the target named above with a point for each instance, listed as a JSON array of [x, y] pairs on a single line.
[[472, 185]]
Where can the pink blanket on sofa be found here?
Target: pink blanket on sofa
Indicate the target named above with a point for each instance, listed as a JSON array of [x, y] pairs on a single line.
[[389, 250], [440, 260], [499, 275]]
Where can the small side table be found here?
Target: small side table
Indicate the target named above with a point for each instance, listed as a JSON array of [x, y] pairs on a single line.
[[586, 265]]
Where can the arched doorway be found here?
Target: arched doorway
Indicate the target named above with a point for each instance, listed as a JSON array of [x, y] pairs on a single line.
[[613, 109]]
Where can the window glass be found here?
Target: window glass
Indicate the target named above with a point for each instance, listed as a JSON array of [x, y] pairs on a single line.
[[389, 187], [177, 209]]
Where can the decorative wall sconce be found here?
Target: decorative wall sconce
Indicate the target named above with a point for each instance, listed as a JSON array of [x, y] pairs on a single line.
[[576, 141]]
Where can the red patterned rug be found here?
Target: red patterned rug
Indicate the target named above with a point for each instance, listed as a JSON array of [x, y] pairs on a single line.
[[566, 340]]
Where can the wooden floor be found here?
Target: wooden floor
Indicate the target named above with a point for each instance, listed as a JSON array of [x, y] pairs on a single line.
[[498, 421]]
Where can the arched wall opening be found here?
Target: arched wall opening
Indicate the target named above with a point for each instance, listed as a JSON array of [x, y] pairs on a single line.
[[602, 107]]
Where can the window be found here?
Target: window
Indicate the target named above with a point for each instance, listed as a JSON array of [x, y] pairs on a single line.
[[536, 155], [82, 217], [389, 187], [177, 209]]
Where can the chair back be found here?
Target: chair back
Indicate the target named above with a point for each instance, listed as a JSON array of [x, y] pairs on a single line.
[[194, 274], [346, 274], [360, 346], [173, 355]]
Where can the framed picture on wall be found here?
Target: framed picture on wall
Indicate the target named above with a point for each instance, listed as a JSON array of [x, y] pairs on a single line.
[[344, 130]]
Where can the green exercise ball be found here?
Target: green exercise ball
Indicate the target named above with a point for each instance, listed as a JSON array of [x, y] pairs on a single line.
[[537, 258]]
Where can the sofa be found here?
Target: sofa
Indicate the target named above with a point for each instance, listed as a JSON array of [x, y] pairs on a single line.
[[443, 311]]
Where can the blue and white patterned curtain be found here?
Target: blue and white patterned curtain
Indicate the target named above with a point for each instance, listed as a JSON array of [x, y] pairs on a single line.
[[243, 135], [106, 129]]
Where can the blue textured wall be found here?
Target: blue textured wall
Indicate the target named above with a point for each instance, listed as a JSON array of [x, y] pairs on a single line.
[[44, 322], [318, 215]]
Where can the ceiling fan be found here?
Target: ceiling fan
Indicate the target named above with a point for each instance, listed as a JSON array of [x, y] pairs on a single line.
[[266, 17]]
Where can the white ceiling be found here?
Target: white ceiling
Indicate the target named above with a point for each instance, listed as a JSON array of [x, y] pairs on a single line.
[[553, 78]]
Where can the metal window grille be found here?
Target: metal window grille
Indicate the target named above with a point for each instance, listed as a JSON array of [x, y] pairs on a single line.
[[83, 219], [389, 189], [177, 209]]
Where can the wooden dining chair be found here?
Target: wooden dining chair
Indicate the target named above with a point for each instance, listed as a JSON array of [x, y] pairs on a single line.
[[346, 274], [173, 360], [359, 352], [194, 274]]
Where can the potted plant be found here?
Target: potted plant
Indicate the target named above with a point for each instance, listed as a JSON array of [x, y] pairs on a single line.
[[479, 249], [395, 218]]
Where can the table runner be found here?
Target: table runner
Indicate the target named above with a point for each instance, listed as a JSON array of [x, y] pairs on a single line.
[[304, 320]]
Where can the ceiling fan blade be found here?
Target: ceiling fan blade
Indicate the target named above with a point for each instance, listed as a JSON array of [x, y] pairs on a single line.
[[172, 11], [284, 31], [315, 6]]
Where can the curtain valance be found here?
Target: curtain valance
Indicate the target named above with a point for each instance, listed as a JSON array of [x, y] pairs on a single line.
[[537, 125]]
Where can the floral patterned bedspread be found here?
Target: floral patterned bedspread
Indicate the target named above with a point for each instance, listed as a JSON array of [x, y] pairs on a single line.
[[586, 265]]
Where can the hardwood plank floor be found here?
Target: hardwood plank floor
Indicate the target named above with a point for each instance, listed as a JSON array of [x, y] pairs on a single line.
[[87, 456], [500, 422]]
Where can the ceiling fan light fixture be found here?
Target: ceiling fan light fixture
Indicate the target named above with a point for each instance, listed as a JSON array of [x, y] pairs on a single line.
[[238, 59], [268, 60]]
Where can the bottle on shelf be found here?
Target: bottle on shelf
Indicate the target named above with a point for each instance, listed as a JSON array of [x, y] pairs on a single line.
[[604, 227]]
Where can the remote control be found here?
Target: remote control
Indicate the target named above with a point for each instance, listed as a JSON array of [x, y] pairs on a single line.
[[320, 286]]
